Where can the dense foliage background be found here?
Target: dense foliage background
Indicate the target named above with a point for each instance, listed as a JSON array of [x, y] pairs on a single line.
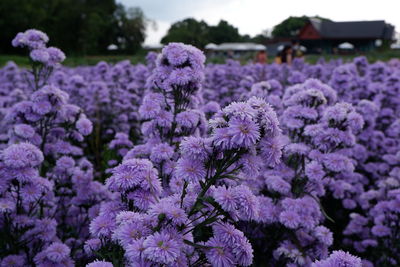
[[77, 27]]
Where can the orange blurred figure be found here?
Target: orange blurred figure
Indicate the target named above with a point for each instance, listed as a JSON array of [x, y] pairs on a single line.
[[261, 57]]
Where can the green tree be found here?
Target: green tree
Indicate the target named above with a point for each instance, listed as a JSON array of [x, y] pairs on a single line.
[[289, 27], [75, 26], [224, 32], [188, 31], [131, 28]]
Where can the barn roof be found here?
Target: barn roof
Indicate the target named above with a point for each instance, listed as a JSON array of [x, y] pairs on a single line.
[[377, 29]]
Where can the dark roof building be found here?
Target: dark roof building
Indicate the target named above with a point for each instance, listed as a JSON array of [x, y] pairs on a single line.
[[325, 35]]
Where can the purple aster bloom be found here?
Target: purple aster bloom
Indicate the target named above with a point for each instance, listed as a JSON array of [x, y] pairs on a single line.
[[225, 197], [175, 53], [380, 230], [84, 126], [35, 38], [211, 107], [277, 184], [22, 155], [244, 132], [42, 107], [102, 226], [161, 152], [134, 251], [196, 148], [7, 205], [134, 172], [248, 207], [57, 252], [31, 192], [222, 138], [100, 264], [339, 258], [324, 235], [161, 248], [314, 171], [19, 40], [337, 163], [190, 170], [170, 210], [24, 131], [55, 56], [181, 76], [297, 148], [271, 150], [65, 163], [92, 245], [187, 119], [219, 255], [268, 211], [290, 219], [250, 165], [40, 55], [240, 110], [13, 261], [130, 231], [243, 252], [164, 119], [227, 234]]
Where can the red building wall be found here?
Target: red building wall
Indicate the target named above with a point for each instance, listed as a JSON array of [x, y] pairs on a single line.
[[308, 32]]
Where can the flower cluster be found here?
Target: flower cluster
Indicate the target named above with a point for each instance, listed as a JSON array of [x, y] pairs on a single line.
[[175, 162]]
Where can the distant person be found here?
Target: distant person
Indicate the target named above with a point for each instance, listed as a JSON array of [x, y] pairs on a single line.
[[261, 57], [286, 55], [296, 49]]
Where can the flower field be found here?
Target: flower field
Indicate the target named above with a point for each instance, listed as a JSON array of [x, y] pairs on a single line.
[[178, 163]]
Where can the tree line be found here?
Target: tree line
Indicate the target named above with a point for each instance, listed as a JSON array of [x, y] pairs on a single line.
[[75, 26], [90, 26]]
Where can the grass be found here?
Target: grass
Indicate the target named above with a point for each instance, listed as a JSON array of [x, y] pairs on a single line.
[[73, 61], [372, 56]]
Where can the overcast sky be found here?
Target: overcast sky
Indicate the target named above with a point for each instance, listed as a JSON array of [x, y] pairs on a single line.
[[253, 16]]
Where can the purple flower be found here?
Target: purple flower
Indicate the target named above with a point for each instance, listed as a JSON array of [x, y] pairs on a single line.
[[57, 254], [240, 110], [55, 56], [218, 255], [84, 126], [271, 150], [187, 119], [22, 155], [380, 230], [161, 248], [243, 132], [190, 170], [102, 226], [277, 184], [161, 152], [337, 259], [196, 148], [100, 264], [40, 55], [33, 39], [13, 261], [290, 219], [314, 171], [324, 235], [24, 131], [133, 173]]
